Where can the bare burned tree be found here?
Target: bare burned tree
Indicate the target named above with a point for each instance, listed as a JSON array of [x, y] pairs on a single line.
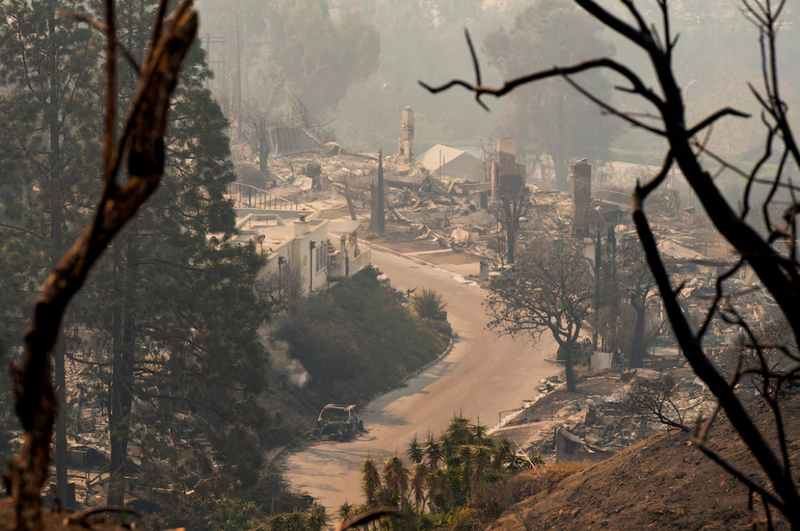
[[141, 144], [319, 124], [549, 291], [640, 286], [771, 253], [283, 289], [655, 399]]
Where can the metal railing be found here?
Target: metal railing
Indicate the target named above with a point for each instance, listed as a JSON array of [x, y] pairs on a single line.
[[247, 196]]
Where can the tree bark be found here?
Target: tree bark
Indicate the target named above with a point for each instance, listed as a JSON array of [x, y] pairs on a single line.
[[511, 241], [122, 377], [54, 127], [373, 203], [349, 200], [569, 374], [637, 345], [116, 487]]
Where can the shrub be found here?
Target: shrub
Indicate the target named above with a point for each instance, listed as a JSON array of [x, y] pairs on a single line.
[[357, 339], [442, 327], [428, 305]]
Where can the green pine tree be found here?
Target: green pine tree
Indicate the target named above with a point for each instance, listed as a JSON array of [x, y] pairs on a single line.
[[48, 63], [171, 314]]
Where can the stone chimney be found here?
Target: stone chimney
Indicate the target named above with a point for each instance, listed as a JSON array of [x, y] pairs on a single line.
[[507, 175], [507, 156], [494, 180], [581, 198], [301, 226], [407, 135]]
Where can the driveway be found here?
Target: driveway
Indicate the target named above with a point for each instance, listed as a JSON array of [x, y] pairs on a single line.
[[481, 376]]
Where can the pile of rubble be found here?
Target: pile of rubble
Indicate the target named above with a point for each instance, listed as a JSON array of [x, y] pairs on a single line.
[[597, 421]]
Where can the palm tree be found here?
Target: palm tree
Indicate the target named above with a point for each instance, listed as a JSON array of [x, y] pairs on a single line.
[[370, 480], [316, 520], [479, 432], [502, 452], [449, 446], [346, 511], [433, 452], [441, 520], [415, 451], [293, 521], [481, 462], [465, 458], [465, 455], [395, 476], [517, 462], [386, 496], [459, 430], [437, 491], [419, 481]]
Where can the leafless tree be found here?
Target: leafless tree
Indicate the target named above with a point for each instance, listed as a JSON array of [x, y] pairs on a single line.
[[656, 399], [283, 289], [550, 290], [318, 124], [771, 252], [141, 144], [488, 150]]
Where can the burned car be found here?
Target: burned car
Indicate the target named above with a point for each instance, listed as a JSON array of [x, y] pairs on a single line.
[[338, 422]]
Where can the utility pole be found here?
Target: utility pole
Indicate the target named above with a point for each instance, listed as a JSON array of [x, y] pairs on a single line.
[[211, 41], [239, 78], [381, 211], [311, 246], [238, 18]]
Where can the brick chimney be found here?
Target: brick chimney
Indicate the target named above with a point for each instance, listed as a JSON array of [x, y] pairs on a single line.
[[581, 197], [406, 148], [507, 175]]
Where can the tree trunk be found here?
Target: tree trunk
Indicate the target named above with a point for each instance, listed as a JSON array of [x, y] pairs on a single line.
[[124, 339], [54, 127], [373, 213], [263, 145], [637, 345], [569, 374], [380, 207], [116, 487], [511, 242], [349, 200]]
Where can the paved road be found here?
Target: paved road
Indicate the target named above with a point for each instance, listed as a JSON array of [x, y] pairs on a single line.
[[481, 376]]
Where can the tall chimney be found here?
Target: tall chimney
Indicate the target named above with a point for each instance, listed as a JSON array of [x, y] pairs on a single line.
[[407, 135], [581, 197], [507, 156]]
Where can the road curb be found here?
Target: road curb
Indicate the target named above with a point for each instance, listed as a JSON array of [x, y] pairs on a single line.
[[430, 363]]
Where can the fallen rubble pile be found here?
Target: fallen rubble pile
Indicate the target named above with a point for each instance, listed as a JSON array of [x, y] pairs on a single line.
[[599, 420]]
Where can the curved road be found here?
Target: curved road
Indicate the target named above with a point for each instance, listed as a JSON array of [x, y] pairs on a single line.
[[480, 377]]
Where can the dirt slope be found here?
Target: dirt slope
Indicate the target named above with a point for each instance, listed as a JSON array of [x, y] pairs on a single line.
[[661, 483]]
